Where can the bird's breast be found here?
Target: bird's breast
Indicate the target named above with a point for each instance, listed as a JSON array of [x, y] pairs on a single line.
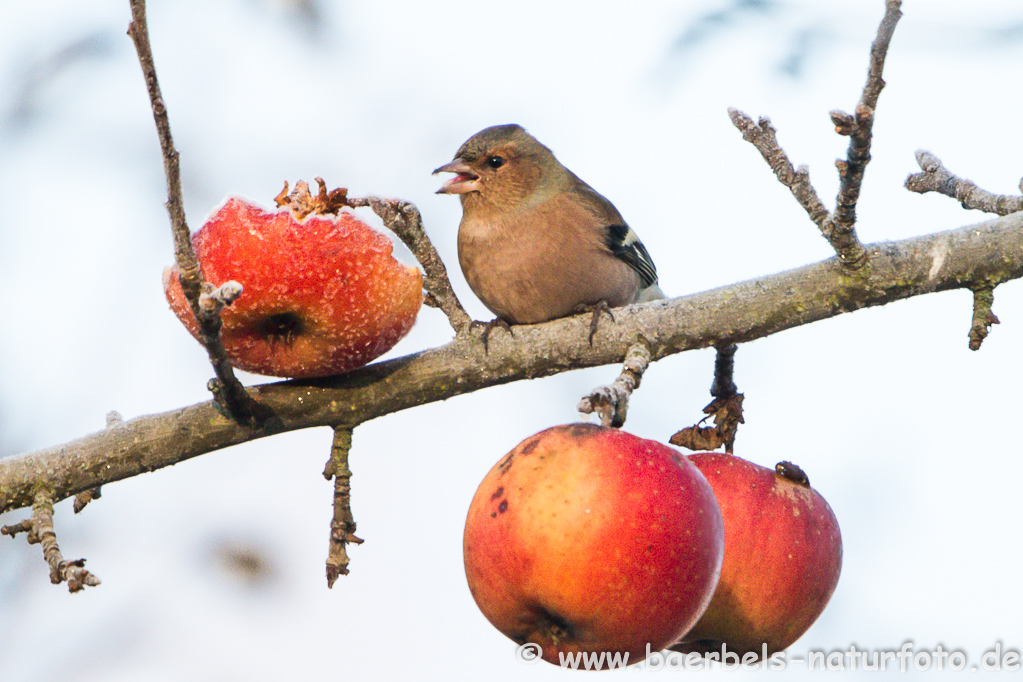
[[532, 268]]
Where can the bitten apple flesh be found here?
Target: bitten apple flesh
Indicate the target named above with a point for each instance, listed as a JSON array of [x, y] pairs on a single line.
[[783, 557], [590, 539], [321, 296]]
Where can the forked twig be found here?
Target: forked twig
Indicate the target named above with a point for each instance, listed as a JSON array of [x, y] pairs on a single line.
[[39, 530], [612, 402], [839, 226]]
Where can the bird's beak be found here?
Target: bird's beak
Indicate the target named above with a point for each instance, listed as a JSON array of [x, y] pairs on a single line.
[[464, 181]]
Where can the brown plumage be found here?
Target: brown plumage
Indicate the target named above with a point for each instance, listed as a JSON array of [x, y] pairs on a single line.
[[536, 242]]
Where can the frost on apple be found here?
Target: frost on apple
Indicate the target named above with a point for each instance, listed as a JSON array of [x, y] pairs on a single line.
[[323, 295]]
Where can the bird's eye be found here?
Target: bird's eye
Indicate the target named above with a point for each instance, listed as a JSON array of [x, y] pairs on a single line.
[[495, 161]]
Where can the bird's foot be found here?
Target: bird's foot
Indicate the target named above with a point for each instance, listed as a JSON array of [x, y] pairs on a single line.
[[596, 308], [489, 327]]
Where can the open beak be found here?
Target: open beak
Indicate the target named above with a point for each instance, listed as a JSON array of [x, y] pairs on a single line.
[[464, 181]]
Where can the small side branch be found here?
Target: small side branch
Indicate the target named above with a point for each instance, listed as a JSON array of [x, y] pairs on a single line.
[[725, 408], [232, 393], [983, 318], [724, 372], [612, 402], [403, 218], [763, 136], [937, 178], [841, 228], [84, 498], [39, 530], [342, 525]]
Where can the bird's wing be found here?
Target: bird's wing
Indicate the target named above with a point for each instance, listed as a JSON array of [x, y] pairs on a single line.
[[625, 245], [619, 238]]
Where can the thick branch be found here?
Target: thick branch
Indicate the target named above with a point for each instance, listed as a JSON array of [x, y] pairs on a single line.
[[733, 314], [231, 390]]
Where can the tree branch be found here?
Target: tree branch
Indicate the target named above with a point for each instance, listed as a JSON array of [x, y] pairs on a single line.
[[839, 226], [763, 136], [342, 525], [983, 317], [402, 218], [736, 313], [937, 178], [206, 311], [725, 409], [39, 530], [612, 402]]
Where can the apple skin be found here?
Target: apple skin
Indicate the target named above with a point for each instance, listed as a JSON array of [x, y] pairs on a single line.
[[783, 557], [589, 539], [321, 296]]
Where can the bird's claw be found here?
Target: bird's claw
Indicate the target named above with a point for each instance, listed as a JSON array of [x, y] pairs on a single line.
[[596, 308], [489, 327]]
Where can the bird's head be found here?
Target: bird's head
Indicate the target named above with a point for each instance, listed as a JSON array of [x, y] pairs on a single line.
[[500, 166]]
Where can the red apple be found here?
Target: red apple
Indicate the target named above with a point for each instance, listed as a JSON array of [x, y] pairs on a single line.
[[783, 556], [590, 539], [321, 296]]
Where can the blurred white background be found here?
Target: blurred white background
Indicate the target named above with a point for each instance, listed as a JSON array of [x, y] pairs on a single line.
[[213, 569]]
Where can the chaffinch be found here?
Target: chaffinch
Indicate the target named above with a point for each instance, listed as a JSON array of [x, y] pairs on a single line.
[[536, 242]]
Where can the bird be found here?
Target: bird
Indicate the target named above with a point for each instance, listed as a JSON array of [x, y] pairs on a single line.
[[535, 242]]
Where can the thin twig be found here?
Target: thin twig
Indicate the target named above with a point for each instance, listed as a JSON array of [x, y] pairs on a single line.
[[839, 226], [84, 498], [39, 530], [724, 372], [235, 400], [725, 409], [403, 218], [762, 135], [937, 178], [612, 402], [342, 525], [840, 229], [983, 318]]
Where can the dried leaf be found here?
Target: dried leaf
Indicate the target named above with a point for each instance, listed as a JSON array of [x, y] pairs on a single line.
[[302, 203]]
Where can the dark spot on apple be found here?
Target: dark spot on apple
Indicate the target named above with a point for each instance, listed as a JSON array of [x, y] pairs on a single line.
[[503, 507], [530, 446], [497, 493], [553, 627], [282, 327], [581, 429], [505, 464]]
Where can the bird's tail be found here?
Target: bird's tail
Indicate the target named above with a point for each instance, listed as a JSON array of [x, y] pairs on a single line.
[[651, 293]]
